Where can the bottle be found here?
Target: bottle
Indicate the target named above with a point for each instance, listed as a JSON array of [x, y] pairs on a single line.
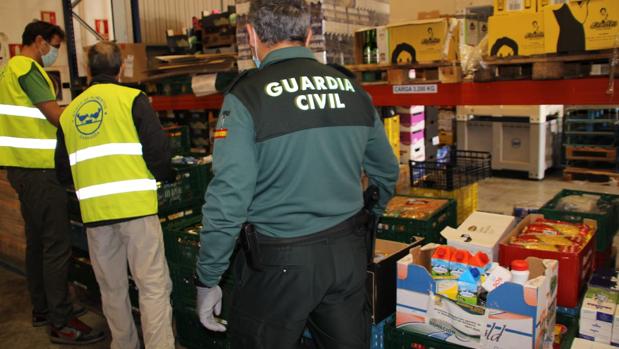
[[440, 262], [373, 47], [497, 276], [520, 271], [459, 263], [367, 48]]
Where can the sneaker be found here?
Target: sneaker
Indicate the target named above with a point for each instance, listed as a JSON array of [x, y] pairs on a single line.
[[40, 319], [75, 333]]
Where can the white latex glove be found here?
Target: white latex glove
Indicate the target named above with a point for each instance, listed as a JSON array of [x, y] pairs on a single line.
[[209, 305]]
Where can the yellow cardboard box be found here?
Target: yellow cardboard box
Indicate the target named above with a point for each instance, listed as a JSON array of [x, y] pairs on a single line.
[[503, 7], [516, 34], [424, 41], [392, 128], [582, 26]]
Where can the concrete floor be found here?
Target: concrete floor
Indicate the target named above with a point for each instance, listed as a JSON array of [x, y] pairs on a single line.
[[497, 195]]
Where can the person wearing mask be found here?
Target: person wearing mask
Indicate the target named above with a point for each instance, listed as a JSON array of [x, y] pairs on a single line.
[[28, 119], [112, 148], [292, 140]]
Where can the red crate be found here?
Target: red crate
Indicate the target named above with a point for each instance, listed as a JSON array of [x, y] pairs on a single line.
[[574, 268]]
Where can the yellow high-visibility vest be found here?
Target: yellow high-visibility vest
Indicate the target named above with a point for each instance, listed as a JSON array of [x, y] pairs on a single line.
[[27, 139], [110, 175]]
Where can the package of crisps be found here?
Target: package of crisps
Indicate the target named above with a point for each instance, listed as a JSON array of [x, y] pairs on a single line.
[[538, 246], [556, 228], [413, 208]]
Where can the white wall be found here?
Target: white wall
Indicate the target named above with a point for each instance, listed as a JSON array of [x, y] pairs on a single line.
[[157, 16]]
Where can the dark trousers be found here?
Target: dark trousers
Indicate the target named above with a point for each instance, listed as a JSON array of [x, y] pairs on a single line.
[[317, 281], [48, 241]]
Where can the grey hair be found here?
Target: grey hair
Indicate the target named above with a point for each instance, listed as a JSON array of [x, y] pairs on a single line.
[[280, 20], [104, 58]]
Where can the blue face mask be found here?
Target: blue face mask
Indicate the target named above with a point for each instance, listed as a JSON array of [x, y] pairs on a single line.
[[50, 57], [254, 54], [256, 61]]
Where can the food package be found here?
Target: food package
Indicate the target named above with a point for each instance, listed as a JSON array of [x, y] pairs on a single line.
[[551, 235], [413, 208], [579, 203]]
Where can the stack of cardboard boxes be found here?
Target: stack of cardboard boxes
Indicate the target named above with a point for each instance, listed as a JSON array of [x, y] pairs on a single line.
[[534, 27]]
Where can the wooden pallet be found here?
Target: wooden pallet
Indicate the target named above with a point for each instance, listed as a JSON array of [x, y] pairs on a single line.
[[443, 72], [546, 67], [591, 154], [576, 173]]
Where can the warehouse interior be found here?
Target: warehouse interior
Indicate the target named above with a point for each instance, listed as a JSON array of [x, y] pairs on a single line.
[[504, 121]]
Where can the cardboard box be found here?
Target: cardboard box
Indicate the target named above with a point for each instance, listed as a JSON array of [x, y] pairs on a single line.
[[574, 268], [424, 41], [597, 314], [586, 26], [515, 317], [381, 276], [503, 7], [516, 34], [580, 343], [480, 232], [412, 146], [135, 61], [411, 123], [392, 128], [382, 44]]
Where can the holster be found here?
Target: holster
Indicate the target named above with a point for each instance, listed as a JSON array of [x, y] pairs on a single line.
[[250, 245]]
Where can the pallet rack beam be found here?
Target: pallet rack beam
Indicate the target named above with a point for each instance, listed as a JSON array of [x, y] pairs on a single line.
[[589, 91]]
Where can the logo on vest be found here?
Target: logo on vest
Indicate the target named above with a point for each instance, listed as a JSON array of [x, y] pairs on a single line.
[[89, 116]]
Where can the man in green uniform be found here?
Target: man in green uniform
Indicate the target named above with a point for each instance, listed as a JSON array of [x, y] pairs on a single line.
[[291, 142], [28, 118]]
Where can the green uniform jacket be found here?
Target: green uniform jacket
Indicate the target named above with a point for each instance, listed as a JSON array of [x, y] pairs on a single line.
[[292, 140]]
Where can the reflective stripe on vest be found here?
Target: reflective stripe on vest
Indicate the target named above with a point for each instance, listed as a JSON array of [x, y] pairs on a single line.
[[27, 139], [27, 143], [27, 112], [105, 150], [114, 188]]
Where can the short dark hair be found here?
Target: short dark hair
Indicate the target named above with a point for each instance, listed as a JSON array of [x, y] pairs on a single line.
[[104, 58], [280, 20], [45, 29]]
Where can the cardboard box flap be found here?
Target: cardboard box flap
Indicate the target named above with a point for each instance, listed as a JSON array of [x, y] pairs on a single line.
[[414, 279], [523, 300], [419, 21]]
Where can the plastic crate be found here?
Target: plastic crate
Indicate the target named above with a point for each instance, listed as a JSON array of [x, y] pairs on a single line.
[[461, 169], [179, 139], [180, 217], [404, 229], [184, 288], [607, 222], [192, 335], [467, 198], [188, 189], [82, 276], [399, 339]]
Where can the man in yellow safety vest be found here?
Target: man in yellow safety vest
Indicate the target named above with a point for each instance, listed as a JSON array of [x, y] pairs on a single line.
[[28, 118], [111, 139]]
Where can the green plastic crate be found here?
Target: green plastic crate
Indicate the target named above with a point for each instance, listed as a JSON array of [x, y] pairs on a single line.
[[184, 288], [82, 276], [404, 229], [399, 339], [180, 217], [607, 222], [192, 335], [188, 189], [179, 139]]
